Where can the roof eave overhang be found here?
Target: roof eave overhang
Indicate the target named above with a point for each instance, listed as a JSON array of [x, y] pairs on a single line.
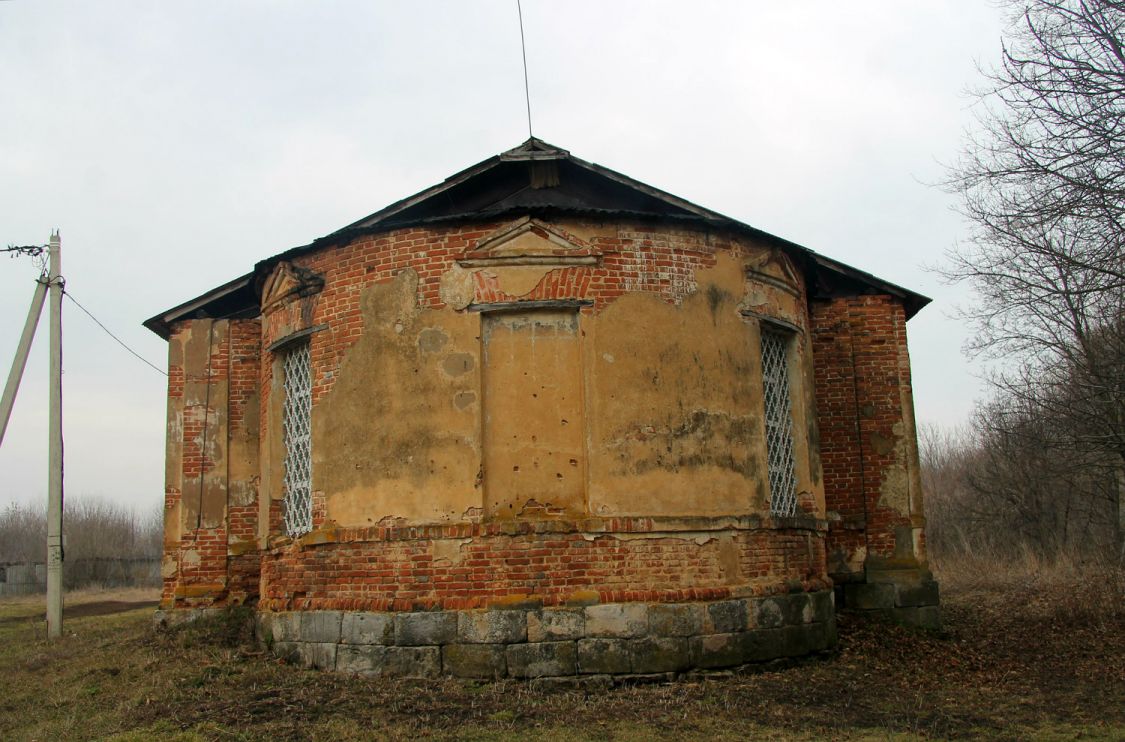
[[162, 323], [533, 150]]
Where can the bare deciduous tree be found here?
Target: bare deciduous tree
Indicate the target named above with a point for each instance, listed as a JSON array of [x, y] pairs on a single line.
[[1043, 183], [94, 528]]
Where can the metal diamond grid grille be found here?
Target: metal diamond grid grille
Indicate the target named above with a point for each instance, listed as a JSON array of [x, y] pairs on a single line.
[[779, 422], [298, 439]]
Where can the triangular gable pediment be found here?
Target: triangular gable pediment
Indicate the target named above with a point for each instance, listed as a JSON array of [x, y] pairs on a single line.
[[530, 241], [288, 281], [775, 268]]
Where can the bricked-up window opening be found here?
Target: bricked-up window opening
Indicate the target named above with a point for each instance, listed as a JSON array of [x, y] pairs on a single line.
[[296, 430], [779, 421]]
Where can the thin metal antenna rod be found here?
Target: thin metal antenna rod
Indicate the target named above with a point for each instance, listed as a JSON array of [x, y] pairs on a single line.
[[526, 88]]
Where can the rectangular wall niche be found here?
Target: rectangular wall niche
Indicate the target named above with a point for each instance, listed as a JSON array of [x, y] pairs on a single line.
[[533, 421]]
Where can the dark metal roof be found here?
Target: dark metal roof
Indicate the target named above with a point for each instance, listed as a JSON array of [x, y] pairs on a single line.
[[536, 179], [233, 300]]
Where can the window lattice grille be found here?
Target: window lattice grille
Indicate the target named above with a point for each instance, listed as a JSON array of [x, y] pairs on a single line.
[[779, 422], [296, 430]]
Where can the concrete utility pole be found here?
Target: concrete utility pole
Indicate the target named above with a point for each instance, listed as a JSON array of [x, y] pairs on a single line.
[[55, 445], [20, 361]]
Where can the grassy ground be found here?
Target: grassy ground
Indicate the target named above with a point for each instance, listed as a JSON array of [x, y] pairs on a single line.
[[1025, 655]]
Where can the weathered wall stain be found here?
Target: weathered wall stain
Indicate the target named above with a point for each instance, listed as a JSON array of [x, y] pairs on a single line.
[[397, 436]]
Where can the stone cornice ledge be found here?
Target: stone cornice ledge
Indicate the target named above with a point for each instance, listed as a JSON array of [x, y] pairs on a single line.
[[655, 525]]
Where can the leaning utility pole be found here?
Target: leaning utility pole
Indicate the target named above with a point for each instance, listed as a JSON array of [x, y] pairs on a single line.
[[22, 351], [55, 448]]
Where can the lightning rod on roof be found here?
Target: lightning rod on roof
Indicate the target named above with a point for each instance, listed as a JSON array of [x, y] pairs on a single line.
[[526, 88]]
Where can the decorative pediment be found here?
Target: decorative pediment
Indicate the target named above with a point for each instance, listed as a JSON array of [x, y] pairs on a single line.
[[774, 268], [529, 241], [288, 282]]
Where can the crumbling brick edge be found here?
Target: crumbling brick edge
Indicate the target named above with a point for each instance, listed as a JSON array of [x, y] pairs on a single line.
[[604, 641]]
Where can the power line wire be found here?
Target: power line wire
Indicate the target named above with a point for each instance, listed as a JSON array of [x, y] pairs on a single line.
[[31, 250], [526, 88], [107, 332]]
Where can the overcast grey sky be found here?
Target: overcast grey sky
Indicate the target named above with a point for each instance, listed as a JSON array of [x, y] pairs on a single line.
[[175, 144]]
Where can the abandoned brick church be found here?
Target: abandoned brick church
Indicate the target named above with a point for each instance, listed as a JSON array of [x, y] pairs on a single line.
[[544, 420]]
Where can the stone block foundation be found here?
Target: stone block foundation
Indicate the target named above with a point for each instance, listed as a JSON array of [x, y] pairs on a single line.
[[913, 601], [609, 639]]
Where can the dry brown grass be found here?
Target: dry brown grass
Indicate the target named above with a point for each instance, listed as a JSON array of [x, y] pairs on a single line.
[[89, 595], [1026, 654], [1061, 592]]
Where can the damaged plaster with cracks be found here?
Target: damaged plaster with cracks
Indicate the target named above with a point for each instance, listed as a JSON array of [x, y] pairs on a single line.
[[397, 434]]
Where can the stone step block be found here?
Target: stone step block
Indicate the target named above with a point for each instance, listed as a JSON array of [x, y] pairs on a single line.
[[542, 659], [367, 628], [474, 661], [556, 624], [617, 620], [492, 627], [422, 629]]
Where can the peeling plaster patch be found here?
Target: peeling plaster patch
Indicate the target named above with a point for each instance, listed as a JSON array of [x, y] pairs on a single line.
[[449, 549], [607, 357], [882, 444], [394, 303], [894, 490], [464, 400], [389, 441], [457, 364], [190, 557], [432, 340], [456, 288], [755, 297]]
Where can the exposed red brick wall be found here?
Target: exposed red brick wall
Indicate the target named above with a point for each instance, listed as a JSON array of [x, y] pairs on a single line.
[[202, 551], [243, 563], [206, 573], [398, 568], [654, 259], [862, 371]]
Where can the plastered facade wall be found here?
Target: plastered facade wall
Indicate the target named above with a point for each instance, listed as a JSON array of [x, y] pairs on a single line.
[[664, 375], [542, 412], [212, 471], [868, 441]]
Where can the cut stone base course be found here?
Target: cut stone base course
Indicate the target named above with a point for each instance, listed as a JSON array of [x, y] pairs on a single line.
[[615, 640]]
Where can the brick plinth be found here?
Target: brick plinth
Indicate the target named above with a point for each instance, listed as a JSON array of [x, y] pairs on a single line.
[[545, 563]]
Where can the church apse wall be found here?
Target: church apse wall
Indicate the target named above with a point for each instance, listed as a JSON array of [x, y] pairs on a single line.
[[542, 444]]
